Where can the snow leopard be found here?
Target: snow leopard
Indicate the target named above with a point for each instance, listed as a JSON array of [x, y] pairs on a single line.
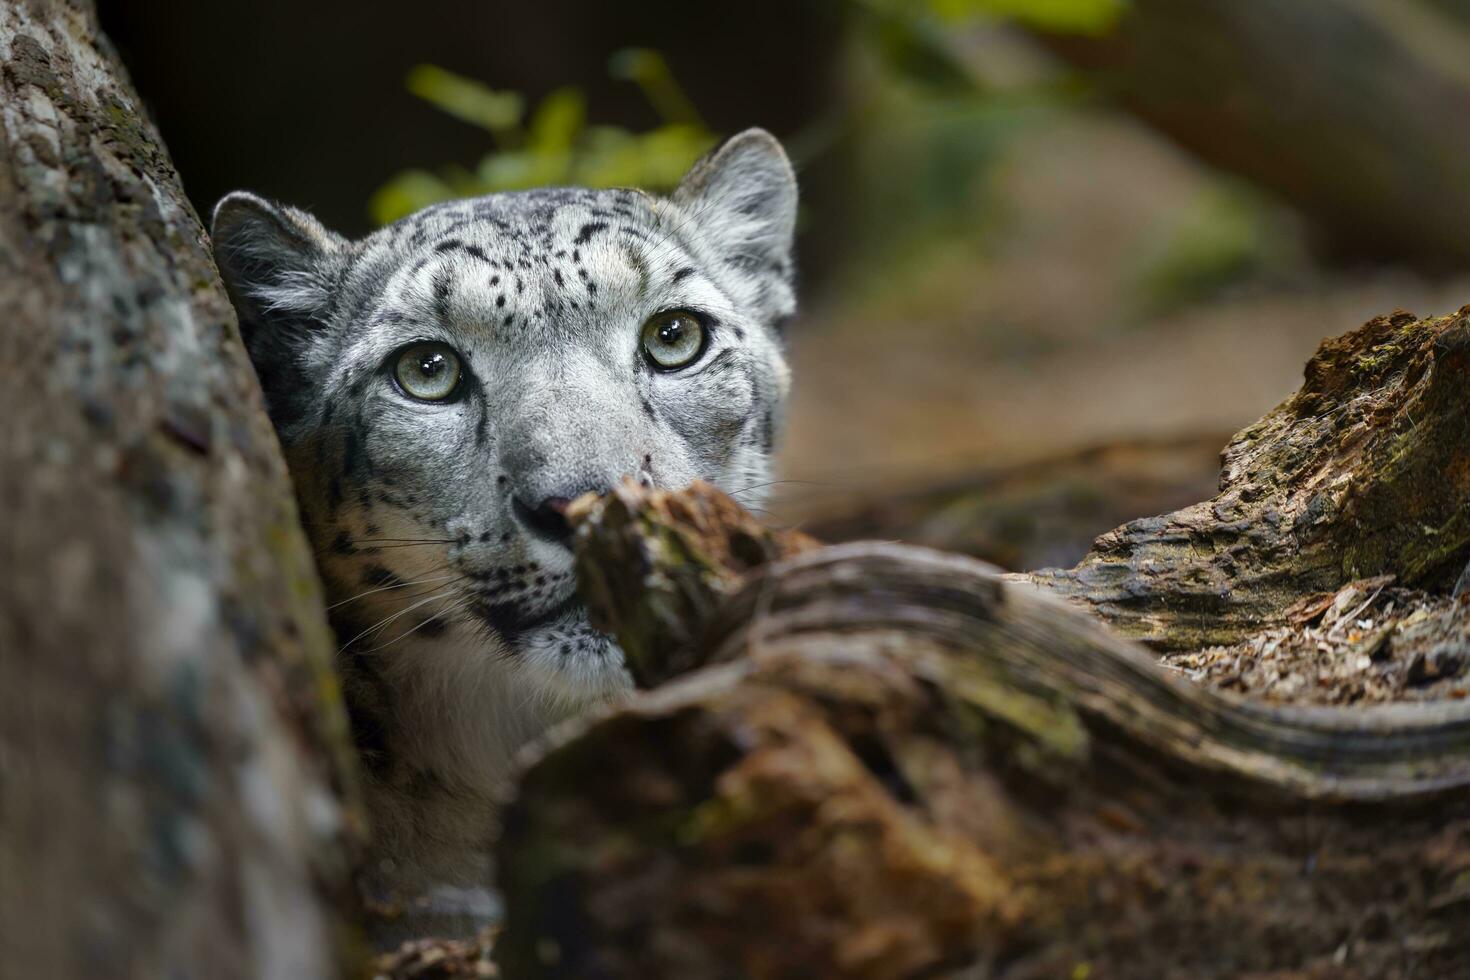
[[445, 386]]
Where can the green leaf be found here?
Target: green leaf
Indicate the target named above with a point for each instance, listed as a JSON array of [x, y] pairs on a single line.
[[649, 70], [1058, 16], [406, 193], [558, 121], [466, 99], [558, 147], [520, 170]]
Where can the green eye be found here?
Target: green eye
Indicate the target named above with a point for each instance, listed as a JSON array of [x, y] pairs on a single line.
[[428, 372], [672, 339]]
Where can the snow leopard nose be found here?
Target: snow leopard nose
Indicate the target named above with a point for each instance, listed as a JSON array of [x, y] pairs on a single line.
[[547, 519]]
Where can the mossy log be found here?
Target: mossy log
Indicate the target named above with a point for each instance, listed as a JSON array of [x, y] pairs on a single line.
[[174, 776], [874, 760], [1365, 471]]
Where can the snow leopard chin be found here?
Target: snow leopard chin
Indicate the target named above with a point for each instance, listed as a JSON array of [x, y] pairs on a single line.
[[568, 662]]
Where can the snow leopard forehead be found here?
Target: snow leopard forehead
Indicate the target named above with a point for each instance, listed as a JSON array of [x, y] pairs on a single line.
[[528, 263], [536, 239]]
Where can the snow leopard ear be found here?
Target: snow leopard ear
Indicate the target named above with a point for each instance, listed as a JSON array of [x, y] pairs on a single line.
[[281, 267], [744, 195], [279, 263]]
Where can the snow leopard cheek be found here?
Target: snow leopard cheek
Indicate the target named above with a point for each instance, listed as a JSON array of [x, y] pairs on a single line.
[[712, 409], [426, 463]]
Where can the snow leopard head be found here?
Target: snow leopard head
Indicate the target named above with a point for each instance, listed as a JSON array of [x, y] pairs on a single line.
[[446, 385]]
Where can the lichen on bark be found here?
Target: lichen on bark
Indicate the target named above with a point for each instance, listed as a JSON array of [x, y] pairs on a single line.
[[174, 744]]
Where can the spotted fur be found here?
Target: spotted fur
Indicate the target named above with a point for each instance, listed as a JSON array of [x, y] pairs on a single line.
[[462, 637]]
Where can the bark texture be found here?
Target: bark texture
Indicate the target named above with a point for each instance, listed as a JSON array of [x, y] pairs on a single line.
[[1351, 110], [874, 760], [173, 766], [1363, 472]]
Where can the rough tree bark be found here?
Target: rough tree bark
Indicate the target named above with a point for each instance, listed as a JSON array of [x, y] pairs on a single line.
[[873, 760], [1363, 472], [172, 750], [1352, 110]]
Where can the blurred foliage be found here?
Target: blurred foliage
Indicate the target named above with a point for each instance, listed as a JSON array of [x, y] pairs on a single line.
[[1060, 16], [1224, 238], [555, 145], [917, 39], [944, 92], [935, 100]]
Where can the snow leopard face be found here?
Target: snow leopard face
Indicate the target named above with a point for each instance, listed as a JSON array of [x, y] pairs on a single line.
[[446, 385]]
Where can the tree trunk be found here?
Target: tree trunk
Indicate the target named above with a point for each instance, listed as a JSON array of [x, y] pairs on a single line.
[[874, 760], [173, 758], [1351, 110]]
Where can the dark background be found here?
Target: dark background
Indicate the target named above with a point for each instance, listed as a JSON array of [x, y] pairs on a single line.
[[304, 101]]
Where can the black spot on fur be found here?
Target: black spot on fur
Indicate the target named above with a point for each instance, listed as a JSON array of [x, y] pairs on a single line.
[[422, 784], [768, 431], [432, 627], [584, 235], [351, 451], [647, 406], [683, 274], [441, 295], [342, 544], [380, 577]]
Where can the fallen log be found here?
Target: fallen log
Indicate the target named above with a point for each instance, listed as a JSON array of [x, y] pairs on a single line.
[[874, 760], [1363, 472]]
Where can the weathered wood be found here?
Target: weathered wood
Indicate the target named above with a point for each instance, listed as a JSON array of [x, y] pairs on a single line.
[[1363, 472], [899, 763], [660, 564], [172, 748], [874, 760]]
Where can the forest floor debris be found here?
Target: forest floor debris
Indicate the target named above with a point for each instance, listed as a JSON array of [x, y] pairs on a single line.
[[440, 959], [1371, 641]]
